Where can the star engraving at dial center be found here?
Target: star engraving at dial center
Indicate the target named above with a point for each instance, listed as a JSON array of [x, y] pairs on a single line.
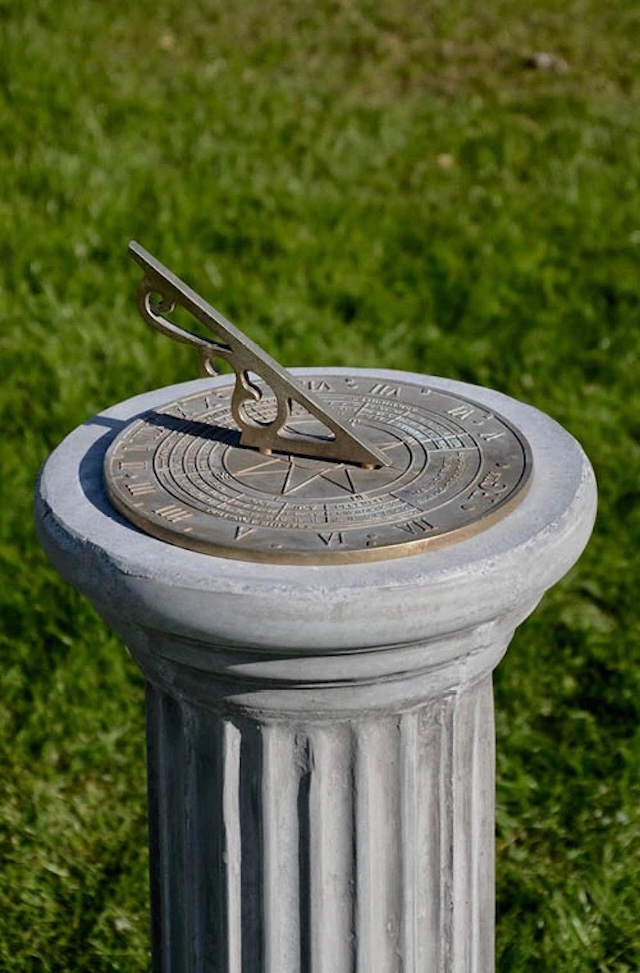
[[287, 475]]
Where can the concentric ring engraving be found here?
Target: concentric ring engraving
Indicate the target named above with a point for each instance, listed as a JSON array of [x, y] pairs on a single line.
[[181, 475]]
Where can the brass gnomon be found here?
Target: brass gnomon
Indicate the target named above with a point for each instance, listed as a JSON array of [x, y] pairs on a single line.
[[246, 357]]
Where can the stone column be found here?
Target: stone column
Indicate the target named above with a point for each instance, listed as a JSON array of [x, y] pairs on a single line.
[[320, 739]]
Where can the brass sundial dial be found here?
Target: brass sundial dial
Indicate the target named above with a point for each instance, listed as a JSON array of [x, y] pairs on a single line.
[[267, 466]]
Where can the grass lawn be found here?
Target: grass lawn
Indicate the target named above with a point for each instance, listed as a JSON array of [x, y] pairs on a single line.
[[355, 183]]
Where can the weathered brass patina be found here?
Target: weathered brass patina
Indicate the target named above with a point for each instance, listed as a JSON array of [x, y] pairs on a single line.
[[231, 471]]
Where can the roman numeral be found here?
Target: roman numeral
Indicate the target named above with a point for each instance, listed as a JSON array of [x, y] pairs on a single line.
[[243, 532], [173, 513], [414, 527], [333, 538], [387, 390], [461, 411], [139, 489]]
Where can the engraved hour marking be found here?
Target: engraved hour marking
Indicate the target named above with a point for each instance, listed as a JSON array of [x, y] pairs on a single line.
[[243, 532], [173, 513], [318, 385], [489, 489], [139, 489], [127, 465], [419, 526], [388, 391], [492, 481], [489, 436], [332, 538], [287, 480], [349, 478], [461, 411]]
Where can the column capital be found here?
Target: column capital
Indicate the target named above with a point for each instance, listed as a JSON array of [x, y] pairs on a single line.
[[501, 570]]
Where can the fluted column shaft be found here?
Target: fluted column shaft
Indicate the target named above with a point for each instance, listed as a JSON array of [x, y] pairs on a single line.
[[306, 825], [323, 845]]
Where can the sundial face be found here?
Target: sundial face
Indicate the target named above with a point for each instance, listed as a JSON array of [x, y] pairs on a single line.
[[328, 469], [453, 467]]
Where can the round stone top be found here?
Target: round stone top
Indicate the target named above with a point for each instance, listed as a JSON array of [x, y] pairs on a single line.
[[307, 607]]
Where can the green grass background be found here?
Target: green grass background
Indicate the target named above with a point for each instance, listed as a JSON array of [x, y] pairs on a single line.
[[382, 183]]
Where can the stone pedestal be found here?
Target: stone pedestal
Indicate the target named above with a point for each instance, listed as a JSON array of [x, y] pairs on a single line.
[[321, 743]]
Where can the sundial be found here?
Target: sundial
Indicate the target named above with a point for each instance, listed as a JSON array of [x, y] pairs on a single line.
[[267, 465]]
